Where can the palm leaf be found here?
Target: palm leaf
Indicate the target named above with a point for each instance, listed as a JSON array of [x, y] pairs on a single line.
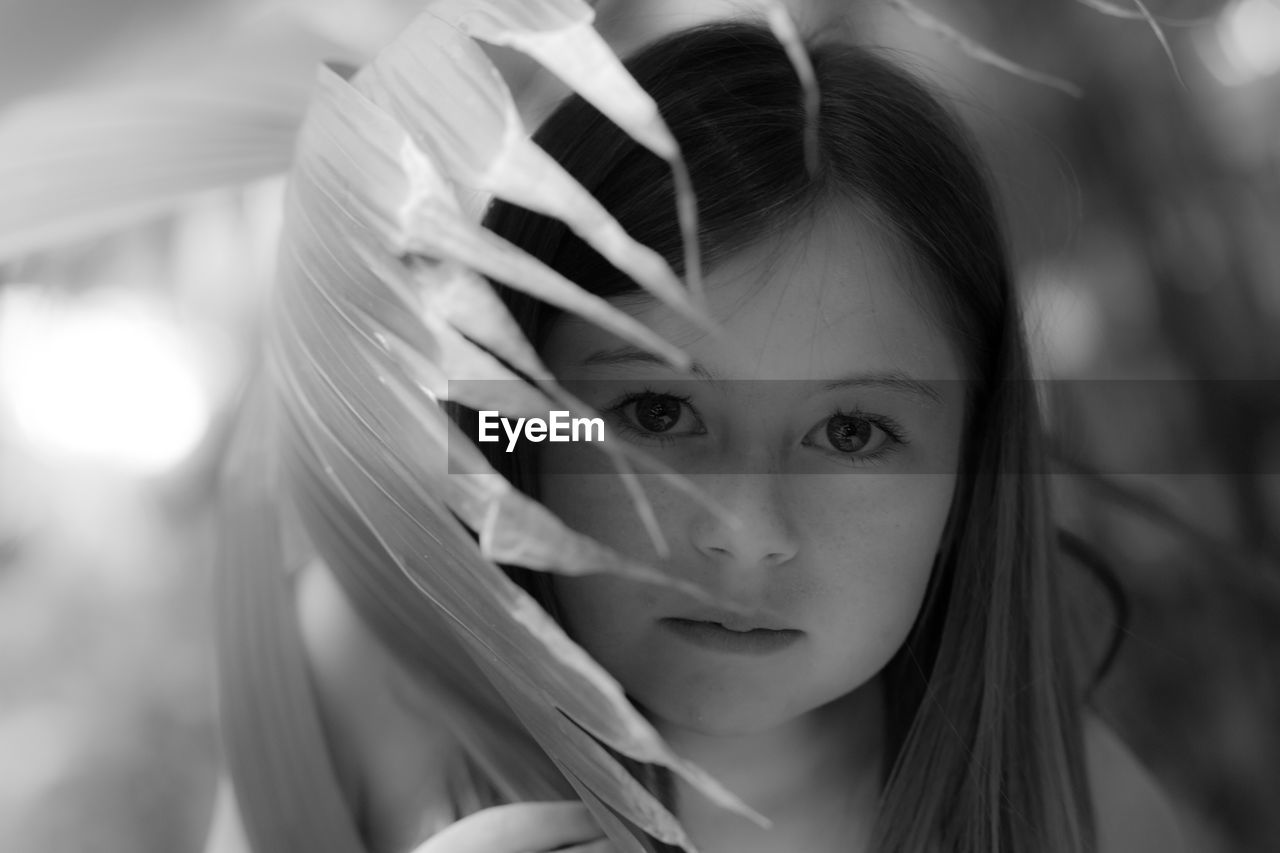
[[1141, 12], [931, 23], [73, 167], [482, 144], [356, 156], [409, 199], [84, 163], [380, 311], [784, 29], [559, 35]]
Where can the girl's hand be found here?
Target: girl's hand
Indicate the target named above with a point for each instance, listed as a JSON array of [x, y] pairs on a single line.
[[565, 827]]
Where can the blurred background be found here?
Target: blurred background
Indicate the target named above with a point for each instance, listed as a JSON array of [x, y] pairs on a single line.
[[142, 150]]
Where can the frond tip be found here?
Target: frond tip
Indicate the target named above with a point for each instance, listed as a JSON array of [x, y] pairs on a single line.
[[981, 53], [1140, 13], [784, 28], [559, 35]]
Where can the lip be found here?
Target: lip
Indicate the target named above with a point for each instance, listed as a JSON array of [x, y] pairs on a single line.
[[735, 620], [716, 635]]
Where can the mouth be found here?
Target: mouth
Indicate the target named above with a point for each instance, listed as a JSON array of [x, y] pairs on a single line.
[[741, 623], [726, 635]]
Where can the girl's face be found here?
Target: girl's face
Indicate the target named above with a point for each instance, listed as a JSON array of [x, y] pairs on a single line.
[[827, 419]]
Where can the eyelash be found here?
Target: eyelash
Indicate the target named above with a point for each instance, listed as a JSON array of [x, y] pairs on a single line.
[[896, 436]]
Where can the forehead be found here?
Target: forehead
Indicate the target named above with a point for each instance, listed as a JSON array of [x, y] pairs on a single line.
[[833, 295]]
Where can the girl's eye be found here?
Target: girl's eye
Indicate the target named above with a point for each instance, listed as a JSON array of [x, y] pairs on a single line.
[[655, 415], [849, 435], [860, 437]]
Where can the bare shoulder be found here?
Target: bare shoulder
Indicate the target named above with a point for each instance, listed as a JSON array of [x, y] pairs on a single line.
[[1133, 814], [367, 698], [381, 749], [385, 745]]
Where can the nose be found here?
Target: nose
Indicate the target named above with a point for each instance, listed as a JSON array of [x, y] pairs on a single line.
[[764, 535]]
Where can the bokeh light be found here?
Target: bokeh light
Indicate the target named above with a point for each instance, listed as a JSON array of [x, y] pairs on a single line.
[[1246, 42], [104, 378]]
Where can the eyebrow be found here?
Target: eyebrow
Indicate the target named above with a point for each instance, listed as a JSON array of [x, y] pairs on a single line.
[[893, 380], [632, 355]]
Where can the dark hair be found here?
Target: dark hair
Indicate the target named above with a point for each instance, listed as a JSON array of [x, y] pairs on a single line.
[[984, 730]]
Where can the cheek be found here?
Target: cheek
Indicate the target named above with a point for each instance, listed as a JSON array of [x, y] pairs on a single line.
[[581, 487], [873, 517], [598, 505], [599, 612], [872, 550]]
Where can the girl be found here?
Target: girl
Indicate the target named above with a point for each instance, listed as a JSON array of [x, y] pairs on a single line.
[[889, 669]]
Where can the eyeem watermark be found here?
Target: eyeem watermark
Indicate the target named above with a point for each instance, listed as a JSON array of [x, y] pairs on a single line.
[[558, 427], [865, 424]]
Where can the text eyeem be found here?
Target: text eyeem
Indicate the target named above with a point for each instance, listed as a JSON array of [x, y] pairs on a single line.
[[558, 427]]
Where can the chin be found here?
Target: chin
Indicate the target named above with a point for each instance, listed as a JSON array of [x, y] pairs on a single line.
[[710, 722], [721, 711], [717, 715]]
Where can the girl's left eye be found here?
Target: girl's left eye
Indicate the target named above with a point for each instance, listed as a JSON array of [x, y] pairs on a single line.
[[857, 436]]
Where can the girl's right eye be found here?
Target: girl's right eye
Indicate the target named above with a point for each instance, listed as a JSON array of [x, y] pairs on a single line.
[[656, 416]]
